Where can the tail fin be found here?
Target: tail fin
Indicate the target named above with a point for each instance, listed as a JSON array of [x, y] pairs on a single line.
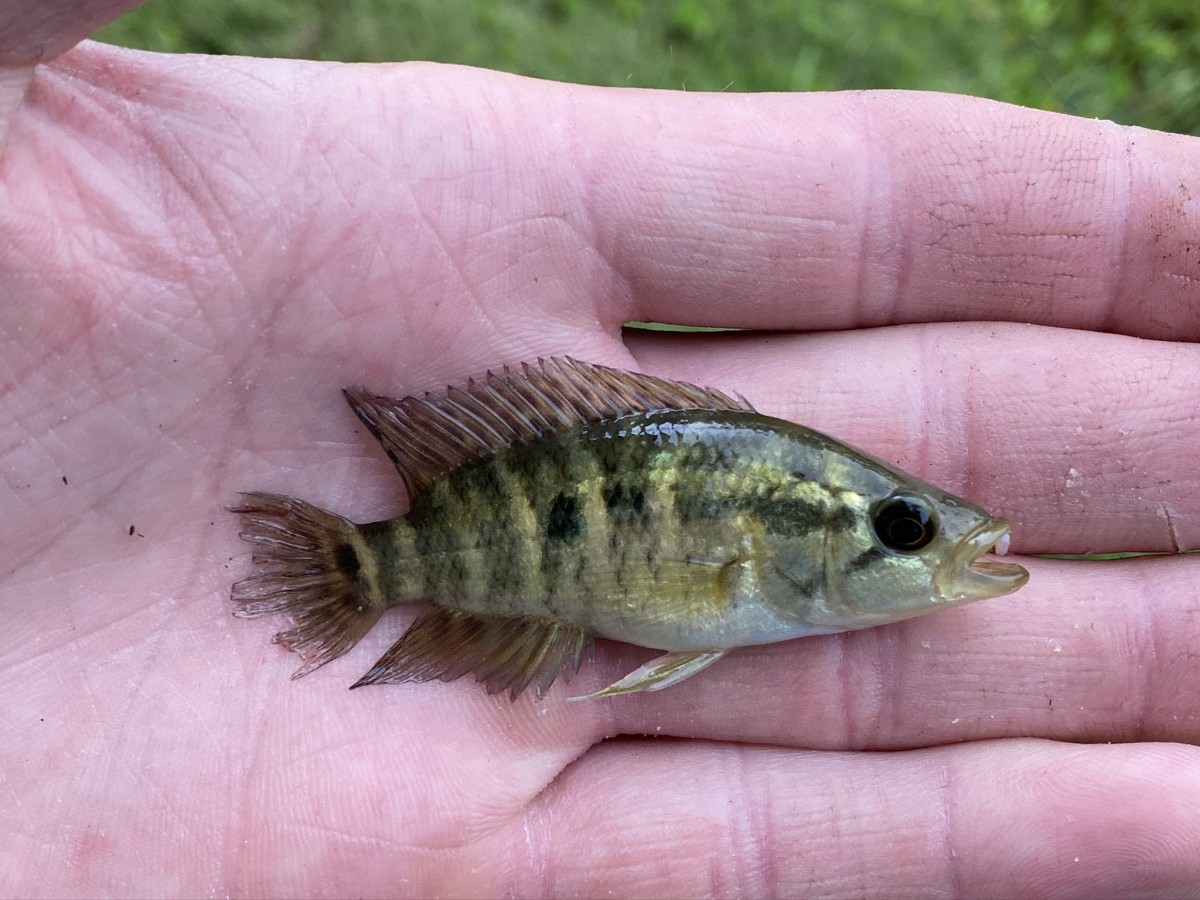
[[318, 569]]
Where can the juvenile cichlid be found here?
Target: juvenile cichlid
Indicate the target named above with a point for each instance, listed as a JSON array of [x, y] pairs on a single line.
[[570, 501]]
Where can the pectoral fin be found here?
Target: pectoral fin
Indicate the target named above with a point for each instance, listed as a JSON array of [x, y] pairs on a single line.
[[660, 673]]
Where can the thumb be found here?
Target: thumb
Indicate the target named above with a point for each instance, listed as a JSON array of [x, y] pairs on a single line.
[[31, 33]]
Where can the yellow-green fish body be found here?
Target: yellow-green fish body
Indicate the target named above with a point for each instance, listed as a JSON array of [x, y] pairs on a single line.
[[571, 501]]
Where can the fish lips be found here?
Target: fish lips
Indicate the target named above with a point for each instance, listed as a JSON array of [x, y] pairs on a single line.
[[972, 573]]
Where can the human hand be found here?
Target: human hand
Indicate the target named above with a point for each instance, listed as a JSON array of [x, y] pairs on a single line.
[[197, 253]]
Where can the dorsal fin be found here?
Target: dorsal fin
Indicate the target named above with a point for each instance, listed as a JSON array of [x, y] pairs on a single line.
[[426, 437]]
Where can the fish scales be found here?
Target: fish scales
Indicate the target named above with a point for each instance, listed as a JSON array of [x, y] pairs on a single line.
[[558, 526], [570, 501]]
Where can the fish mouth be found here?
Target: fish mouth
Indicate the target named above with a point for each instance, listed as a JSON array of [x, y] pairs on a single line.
[[975, 570]]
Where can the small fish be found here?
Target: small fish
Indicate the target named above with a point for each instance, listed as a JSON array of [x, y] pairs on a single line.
[[568, 501]]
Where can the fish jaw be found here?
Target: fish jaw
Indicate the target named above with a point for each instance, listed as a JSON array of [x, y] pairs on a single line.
[[973, 572]]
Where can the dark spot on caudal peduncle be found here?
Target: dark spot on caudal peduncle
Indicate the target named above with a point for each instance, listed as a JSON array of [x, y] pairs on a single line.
[[565, 521], [347, 561]]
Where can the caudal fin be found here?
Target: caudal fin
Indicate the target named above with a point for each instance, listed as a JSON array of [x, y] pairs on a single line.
[[316, 568]]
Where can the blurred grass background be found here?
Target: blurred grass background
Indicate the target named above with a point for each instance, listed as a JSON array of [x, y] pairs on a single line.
[[1136, 63]]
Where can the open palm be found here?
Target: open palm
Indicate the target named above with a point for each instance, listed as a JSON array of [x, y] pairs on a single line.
[[196, 254]]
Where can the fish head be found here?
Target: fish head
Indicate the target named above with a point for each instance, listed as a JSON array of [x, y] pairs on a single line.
[[897, 548]]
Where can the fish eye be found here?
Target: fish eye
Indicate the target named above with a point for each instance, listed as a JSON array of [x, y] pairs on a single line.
[[904, 523]]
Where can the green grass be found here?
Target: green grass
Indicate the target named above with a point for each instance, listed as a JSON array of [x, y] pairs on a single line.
[[1137, 63]]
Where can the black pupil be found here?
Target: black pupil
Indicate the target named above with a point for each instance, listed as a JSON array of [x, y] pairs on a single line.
[[904, 524]]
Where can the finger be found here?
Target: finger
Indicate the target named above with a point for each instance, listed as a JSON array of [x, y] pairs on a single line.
[[1011, 818], [821, 211], [1085, 442], [578, 208], [803, 211], [1084, 652]]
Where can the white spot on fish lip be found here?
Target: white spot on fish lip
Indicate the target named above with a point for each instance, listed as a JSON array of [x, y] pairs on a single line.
[[991, 537]]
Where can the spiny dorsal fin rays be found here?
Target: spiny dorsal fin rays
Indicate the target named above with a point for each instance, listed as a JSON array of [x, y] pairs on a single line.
[[426, 437], [504, 653]]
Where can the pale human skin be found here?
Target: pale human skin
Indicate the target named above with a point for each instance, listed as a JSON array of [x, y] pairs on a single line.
[[197, 253]]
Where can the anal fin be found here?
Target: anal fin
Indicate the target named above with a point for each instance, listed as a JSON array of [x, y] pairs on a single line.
[[505, 653], [659, 673]]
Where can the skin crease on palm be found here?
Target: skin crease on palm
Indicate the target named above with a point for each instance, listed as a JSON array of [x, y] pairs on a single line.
[[197, 253]]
